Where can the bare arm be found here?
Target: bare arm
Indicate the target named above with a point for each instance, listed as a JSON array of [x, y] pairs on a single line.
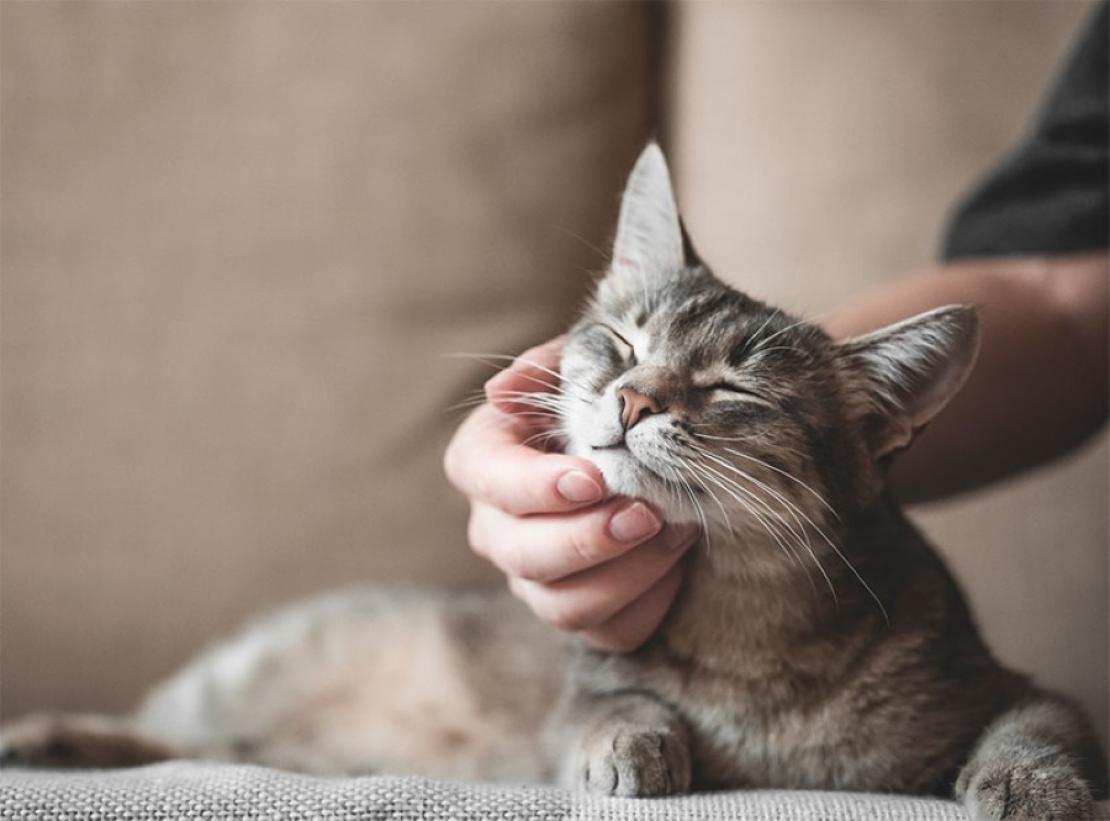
[[1041, 384]]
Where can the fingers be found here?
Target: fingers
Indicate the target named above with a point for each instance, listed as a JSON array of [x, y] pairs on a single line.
[[488, 461], [535, 370], [589, 599], [549, 547], [633, 625], [606, 569]]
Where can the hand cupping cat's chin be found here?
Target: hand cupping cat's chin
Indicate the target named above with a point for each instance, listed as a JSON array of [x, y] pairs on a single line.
[[625, 476]]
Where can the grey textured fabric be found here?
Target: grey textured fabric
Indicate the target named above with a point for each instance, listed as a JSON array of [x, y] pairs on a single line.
[[192, 790]]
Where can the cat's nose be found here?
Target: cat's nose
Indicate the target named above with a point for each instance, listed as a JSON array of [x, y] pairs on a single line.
[[635, 407]]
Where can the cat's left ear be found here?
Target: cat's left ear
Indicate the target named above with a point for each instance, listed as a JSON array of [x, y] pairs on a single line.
[[903, 375], [651, 242]]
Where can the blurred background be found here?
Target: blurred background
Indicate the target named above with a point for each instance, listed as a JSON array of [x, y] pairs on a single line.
[[238, 240]]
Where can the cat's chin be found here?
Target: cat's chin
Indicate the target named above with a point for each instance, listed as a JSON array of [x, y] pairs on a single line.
[[626, 476]]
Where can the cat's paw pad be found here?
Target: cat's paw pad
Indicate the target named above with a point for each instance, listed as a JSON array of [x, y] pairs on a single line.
[[1042, 791], [637, 763]]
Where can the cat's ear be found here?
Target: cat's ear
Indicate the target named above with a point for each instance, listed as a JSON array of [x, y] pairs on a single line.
[[904, 374], [689, 252], [650, 241]]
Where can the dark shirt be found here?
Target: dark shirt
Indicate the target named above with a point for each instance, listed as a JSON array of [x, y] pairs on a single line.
[[1051, 195]]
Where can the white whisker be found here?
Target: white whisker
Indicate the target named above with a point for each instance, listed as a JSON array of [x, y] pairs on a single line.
[[789, 476], [733, 489], [800, 535], [485, 357], [834, 548], [724, 512], [698, 510]]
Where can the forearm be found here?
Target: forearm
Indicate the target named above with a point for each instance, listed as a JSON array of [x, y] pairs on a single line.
[[1040, 386]]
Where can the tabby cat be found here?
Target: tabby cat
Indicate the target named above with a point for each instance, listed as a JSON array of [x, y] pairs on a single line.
[[817, 642]]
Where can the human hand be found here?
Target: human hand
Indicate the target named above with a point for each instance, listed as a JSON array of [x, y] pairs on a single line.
[[606, 568]]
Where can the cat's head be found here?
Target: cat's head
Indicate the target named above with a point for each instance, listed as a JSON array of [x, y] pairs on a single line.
[[719, 409]]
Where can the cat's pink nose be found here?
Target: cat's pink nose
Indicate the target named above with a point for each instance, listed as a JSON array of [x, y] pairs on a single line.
[[634, 407]]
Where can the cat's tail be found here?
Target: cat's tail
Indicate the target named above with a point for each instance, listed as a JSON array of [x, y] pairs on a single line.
[[63, 741], [1038, 761]]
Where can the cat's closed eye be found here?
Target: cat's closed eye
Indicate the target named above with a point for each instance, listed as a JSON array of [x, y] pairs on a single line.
[[626, 348], [726, 390]]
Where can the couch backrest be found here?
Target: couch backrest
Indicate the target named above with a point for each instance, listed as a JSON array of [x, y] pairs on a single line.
[[240, 240]]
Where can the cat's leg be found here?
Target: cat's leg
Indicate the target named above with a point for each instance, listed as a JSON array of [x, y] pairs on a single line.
[[1039, 761], [625, 743], [78, 742]]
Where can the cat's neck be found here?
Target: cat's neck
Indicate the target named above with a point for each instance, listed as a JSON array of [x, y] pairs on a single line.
[[745, 597]]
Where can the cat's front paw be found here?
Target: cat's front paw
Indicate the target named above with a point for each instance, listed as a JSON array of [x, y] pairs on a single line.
[[1037, 791], [635, 762]]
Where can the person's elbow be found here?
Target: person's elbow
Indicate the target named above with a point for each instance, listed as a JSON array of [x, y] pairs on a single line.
[[1077, 299]]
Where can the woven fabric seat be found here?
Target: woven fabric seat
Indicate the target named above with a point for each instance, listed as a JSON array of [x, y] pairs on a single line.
[[187, 790], [194, 790]]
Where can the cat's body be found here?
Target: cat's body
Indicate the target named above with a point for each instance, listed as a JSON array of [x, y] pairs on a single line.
[[373, 680], [814, 694], [817, 641]]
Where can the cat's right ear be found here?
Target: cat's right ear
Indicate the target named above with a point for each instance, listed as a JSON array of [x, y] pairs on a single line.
[[650, 244]]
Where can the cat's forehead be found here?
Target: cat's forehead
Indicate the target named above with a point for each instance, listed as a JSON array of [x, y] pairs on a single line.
[[704, 324]]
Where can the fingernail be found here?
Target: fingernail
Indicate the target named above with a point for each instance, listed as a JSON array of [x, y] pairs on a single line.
[[576, 486], [681, 536], [633, 523]]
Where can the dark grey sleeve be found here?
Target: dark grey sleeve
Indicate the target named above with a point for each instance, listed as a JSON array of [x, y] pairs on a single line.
[[1051, 195]]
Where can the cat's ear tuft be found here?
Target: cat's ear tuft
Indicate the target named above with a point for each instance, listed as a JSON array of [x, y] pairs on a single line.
[[907, 372], [650, 241]]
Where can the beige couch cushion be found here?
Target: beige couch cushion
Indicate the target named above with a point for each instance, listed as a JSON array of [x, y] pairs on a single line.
[[239, 239]]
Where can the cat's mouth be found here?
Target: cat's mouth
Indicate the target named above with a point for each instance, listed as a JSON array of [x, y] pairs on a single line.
[[615, 446], [642, 470]]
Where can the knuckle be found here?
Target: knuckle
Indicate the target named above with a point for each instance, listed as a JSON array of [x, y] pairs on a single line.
[[588, 544], [524, 568], [560, 621], [611, 641], [514, 559], [455, 463], [566, 617], [538, 492], [450, 461], [517, 588], [475, 535], [579, 543], [482, 487], [523, 361], [512, 505], [525, 499]]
